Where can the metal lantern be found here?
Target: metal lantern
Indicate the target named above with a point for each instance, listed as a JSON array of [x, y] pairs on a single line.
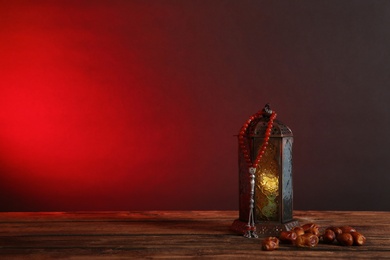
[[268, 191]]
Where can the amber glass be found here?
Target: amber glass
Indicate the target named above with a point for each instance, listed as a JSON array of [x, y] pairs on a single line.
[[267, 183]]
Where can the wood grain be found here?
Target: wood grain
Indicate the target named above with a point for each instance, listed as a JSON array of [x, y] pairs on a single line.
[[173, 234]]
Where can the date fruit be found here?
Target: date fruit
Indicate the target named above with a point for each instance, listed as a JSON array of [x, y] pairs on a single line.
[[311, 228], [288, 236], [358, 239], [298, 230], [345, 239], [307, 240], [270, 244], [347, 229], [329, 236]]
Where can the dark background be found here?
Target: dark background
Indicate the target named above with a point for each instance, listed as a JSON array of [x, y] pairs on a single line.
[[132, 105]]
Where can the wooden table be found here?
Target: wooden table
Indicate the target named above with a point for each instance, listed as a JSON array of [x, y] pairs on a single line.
[[173, 234]]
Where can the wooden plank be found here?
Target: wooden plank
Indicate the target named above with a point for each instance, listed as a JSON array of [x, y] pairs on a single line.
[[172, 234]]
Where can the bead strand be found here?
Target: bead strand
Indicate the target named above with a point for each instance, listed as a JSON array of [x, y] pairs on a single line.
[[241, 138], [267, 135]]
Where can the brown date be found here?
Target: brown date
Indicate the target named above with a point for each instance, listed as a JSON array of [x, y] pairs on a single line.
[[358, 239], [298, 230], [345, 239], [347, 229], [329, 236], [270, 243], [336, 230], [307, 240], [311, 228], [288, 236]]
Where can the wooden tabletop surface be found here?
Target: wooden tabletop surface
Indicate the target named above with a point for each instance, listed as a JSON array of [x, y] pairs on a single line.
[[174, 234]]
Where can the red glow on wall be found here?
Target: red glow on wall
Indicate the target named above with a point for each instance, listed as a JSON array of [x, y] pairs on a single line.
[[92, 115]]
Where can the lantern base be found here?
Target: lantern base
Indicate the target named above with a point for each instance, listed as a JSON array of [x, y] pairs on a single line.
[[268, 228]]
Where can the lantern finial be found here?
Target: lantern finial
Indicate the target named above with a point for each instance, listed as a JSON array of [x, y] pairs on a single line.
[[267, 111]]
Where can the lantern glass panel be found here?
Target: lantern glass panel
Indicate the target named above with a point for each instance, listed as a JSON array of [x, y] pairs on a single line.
[[267, 182], [287, 180]]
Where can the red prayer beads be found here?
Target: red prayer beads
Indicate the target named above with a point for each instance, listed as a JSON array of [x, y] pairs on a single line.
[[267, 135]]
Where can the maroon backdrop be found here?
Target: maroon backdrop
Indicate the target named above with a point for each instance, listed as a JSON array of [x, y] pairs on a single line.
[[132, 105]]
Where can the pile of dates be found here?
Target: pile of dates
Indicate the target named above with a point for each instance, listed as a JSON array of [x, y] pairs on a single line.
[[309, 235]]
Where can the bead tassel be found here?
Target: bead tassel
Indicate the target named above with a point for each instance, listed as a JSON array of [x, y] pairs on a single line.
[[251, 227]]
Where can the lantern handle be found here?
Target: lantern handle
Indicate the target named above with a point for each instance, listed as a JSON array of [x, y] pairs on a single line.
[[267, 111]]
